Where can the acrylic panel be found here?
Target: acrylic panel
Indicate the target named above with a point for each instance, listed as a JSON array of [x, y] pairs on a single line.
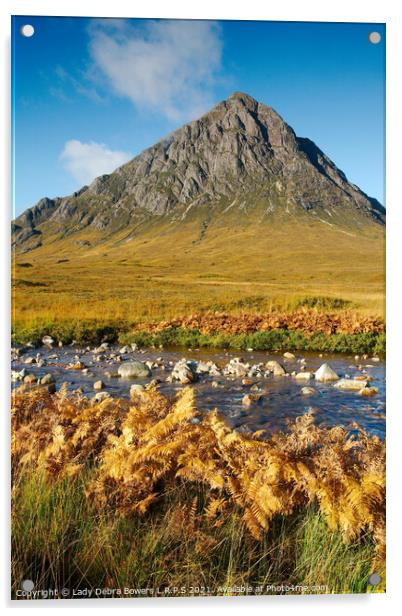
[[198, 327]]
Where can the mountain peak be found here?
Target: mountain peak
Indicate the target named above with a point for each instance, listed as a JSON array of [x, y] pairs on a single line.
[[244, 98], [241, 152]]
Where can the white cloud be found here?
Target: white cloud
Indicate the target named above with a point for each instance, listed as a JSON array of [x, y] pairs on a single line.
[[85, 161], [166, 66]]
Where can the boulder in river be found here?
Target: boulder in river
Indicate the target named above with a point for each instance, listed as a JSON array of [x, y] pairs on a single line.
[[350, 384], [133, 370], [184, 372], [237, 367], [325, 373], [304, 376], [99, 385], [275, 367], [288, 355], [207, 367]]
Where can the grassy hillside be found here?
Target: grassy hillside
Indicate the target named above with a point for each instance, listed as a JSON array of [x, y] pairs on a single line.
[[220, 262]]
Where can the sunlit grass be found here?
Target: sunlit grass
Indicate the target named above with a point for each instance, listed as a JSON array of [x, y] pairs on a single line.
[[139, 494], [166, 272]]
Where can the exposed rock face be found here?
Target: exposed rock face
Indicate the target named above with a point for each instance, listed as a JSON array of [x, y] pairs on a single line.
[[238, 155]]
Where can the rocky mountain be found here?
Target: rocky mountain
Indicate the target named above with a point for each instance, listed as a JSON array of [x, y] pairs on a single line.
[[239, 158]]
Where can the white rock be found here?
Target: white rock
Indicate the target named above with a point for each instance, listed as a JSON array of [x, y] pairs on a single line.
[[47, 340], [275, 367], [100, 396], [325, 374], [184, 372], [237, 367], [303, 376], [350, 384], [133, 370]]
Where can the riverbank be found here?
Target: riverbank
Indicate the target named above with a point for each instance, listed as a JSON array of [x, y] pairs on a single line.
[[343, 332]]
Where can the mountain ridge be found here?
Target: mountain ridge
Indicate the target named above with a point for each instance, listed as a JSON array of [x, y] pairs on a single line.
[[241, 150]]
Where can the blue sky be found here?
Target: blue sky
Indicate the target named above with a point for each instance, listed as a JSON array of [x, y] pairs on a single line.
[[88, 94]]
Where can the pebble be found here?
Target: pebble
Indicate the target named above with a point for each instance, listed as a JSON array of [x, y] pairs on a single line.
[[111, 374], [47, 341], [308, 391], [250, 399], [30, 378], [368, 391], [47, 379], [79, 365], [100, 396], [136, 390]]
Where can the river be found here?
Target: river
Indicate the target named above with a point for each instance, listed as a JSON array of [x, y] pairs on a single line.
[[281, 397]]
